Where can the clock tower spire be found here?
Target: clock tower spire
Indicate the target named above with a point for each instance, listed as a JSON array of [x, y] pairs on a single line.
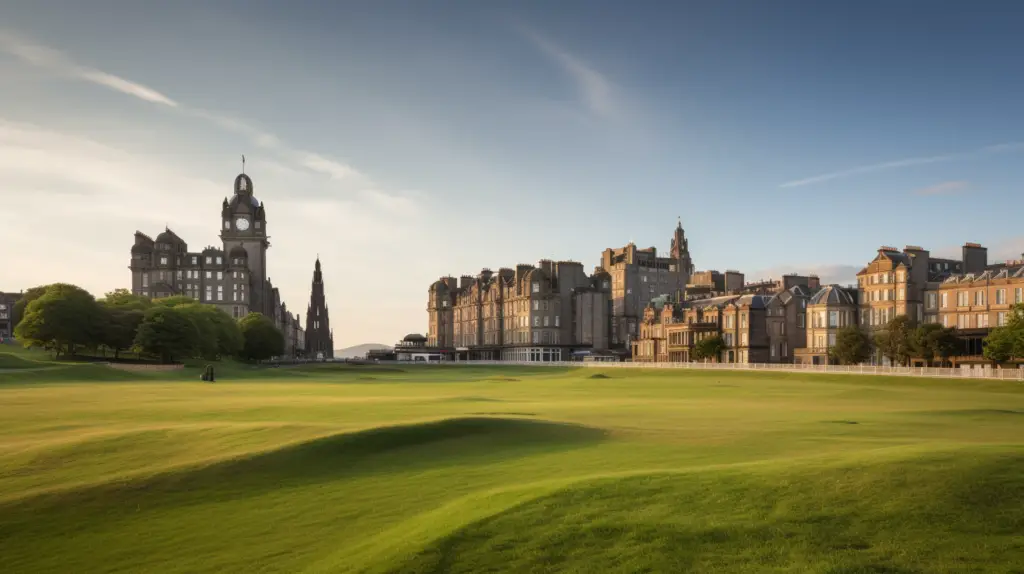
[[244, 229]]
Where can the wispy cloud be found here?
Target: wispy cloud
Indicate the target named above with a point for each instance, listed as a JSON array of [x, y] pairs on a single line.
[[596, 90], [907, 162], [944, 188], [58, 63]]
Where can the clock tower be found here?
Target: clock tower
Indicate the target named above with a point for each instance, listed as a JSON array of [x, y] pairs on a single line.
[[244, 235]]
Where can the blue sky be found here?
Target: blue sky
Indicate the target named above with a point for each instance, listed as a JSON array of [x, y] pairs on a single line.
[[403, 141]]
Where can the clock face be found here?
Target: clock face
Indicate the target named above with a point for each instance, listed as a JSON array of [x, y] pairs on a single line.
[[242, 224]]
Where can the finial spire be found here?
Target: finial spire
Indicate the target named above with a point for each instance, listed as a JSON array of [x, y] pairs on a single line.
[[243, 163]]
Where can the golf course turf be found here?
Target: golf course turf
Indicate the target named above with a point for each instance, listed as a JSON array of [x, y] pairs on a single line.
[[429, 469]]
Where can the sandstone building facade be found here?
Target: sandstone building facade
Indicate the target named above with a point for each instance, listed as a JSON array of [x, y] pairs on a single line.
[[529, 313], [232, 277]]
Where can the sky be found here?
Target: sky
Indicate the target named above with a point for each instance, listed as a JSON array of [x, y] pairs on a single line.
[[402, 141]]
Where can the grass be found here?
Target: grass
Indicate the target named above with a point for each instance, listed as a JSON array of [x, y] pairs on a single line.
[[328, 468]]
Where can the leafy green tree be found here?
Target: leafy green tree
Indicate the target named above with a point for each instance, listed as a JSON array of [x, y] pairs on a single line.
[[229, 335], [261, 339], [709, 348], [1007, 342], [931, 341], [167, 333], [852, 347], [120, 326], [200, 315], [175, 301], [896, 341], [63, 318], [18, 311], [125, 299]]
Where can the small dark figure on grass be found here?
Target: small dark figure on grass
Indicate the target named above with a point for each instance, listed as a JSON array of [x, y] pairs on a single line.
[[208, 374]]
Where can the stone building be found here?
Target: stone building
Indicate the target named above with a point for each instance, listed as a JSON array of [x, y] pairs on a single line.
[[531, 313], [232, 277], [671, 332], [319, 335], [968, 294], [830, 309], [786, 322], [7, 301], [640, 275]]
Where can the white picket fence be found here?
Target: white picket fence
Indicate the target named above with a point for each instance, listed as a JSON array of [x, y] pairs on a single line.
[[964, 372]]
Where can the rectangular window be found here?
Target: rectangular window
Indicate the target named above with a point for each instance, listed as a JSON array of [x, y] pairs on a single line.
[[536, 334], [220, 276], [536, 287], [743, 321], [178, 275], [546, 321], [945, 300], [833, 318], [1000, 296], [258, 224], [1001, 319], [536, 321], [163, 261], [195, 261], [234, 296], [209, 274], [209, 293], [945, 320], [784, 351], [982, 321], [979, 297], [209, 260], [1018, 295], [800, 320], [743, 338], [831, 339], [145, 279], [219, 260], [901, 294]]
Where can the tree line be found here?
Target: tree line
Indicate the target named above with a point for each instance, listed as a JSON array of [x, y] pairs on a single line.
[[900, 342], [67, 319]]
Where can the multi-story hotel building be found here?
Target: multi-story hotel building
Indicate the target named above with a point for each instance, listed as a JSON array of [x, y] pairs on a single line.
[[828, 311], [640, 275], [232, 277], [530, 313]]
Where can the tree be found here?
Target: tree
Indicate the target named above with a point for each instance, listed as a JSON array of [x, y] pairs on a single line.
[[18, 312], [200, 315], [709, 348], [932, 340], [261, 339], [1007, 342], [895, 342], [167, 333], [64, 317], [852, 347], [120, 326], [229, 335], [175, 301], [125, 299]]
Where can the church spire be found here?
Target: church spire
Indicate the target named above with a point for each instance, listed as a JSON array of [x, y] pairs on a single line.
[[319, 336]]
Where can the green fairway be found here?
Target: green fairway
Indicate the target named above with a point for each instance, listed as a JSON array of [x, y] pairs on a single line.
[[485, 469]]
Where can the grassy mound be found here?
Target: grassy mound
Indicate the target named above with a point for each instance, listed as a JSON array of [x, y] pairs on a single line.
[[12, 361], [888, 517]]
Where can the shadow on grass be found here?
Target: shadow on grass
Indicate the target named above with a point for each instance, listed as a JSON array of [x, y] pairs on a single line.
[[476, 440]]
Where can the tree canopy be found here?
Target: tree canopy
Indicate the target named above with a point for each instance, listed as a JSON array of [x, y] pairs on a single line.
[[30, 295], [896, 342], [63, 318], [261, 338], [932, 340], [709, 348], [168, 333], [852, 347], [1007, 342]]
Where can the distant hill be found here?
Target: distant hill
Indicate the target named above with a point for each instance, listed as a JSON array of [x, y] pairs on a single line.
[[358, 351]]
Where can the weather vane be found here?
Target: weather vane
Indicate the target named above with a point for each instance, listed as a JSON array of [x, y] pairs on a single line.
[[243, 163]]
